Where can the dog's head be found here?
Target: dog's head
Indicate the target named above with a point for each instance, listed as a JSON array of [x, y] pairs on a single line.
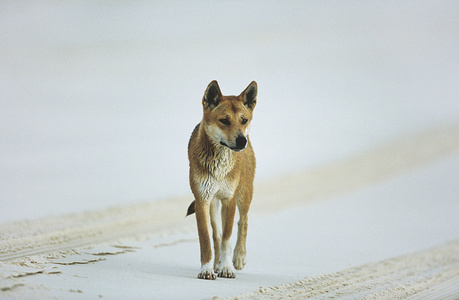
[[227, 118]]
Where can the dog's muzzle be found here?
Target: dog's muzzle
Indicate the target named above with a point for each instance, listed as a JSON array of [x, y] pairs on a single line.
[[241, 143]]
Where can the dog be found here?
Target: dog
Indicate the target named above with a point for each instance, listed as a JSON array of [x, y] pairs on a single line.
[[222, 170]]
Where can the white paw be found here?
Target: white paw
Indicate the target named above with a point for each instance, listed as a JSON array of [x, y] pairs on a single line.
[[239, 260], [216, 266], [207, 272], [227, 272]]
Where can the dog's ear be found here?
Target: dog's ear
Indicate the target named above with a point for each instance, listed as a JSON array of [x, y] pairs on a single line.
[[212, 96], [249, 95]]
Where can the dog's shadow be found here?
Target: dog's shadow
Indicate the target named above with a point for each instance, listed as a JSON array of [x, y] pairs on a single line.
[[170, 270]]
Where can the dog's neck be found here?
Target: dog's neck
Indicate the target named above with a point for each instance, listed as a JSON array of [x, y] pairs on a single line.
[[217, 159]]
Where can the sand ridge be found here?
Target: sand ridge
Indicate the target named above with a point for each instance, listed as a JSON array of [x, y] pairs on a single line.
[[429, 274]]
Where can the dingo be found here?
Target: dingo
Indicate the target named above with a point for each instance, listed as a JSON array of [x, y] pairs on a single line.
[[222, 169]]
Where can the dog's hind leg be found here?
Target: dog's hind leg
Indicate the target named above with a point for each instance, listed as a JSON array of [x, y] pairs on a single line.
[[228, 211], [216, 234]]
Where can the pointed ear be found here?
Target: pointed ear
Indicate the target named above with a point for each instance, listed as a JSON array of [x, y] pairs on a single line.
[[212, 95], [249, 95]]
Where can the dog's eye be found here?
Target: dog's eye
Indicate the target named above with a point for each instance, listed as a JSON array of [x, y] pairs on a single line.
[[225, 121], [244, 121]]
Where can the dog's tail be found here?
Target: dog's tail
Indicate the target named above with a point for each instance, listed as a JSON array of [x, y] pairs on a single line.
[[190, 210]]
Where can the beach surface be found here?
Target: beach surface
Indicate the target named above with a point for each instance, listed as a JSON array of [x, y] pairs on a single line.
[[382, 224], [355, 132]]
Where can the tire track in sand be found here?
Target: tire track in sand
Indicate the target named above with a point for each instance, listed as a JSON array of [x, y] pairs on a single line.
[[431, 274]]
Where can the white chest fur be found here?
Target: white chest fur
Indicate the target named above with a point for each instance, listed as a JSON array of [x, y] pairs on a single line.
[[215, 184], [220, 189]]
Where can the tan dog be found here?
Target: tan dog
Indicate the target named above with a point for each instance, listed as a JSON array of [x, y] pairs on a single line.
[[222, 169]]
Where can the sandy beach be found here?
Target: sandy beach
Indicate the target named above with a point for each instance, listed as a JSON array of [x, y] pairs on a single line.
[[368, 229], [355, 132]]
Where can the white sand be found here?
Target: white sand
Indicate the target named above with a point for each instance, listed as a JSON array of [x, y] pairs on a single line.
[[432, 274], [384, 212], [355, 133], [99, 99]]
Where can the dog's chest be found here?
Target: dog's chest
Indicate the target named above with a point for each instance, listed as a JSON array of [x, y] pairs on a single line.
[[211, 188], [217, 162], [216, 183], [222, 164]]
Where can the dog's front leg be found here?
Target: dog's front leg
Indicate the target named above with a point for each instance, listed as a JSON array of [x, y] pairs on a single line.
[[203, 221], [240, 252], [216, 234]]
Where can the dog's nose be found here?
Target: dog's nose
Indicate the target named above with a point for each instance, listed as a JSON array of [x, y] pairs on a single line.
[[241, 142]]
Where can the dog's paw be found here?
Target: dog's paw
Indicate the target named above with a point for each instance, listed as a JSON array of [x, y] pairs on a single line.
[[207, 272], [216, 267], [239, 260], [207, 275], [227, 273]]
